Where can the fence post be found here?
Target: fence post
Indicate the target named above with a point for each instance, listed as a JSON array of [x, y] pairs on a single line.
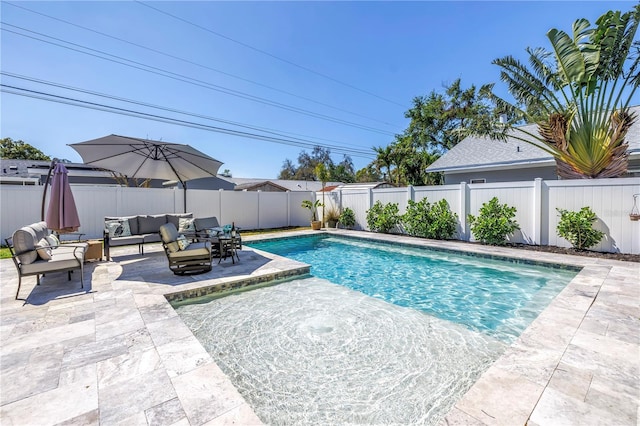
[[370, 197], [464, 210], [288, 208], [220, 204], [537, 211], [258, 220], [411, 193]]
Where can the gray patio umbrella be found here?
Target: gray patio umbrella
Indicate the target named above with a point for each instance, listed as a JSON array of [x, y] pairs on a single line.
[[62, 214], [148, 159]]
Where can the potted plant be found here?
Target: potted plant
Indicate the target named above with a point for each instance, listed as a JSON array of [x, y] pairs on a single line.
[[312, 206], [347, 218], [331, 216]]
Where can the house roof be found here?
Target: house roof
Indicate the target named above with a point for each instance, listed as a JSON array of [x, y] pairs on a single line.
[[290, 185], [250, 186], [475, 153]]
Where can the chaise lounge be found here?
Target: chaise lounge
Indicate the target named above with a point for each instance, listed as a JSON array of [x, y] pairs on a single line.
[[35, 252]]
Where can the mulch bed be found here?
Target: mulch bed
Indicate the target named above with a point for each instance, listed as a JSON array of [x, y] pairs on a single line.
[[586, 253]]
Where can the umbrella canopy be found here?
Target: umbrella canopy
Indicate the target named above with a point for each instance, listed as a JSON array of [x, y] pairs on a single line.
[[62, 215], [144, 158]]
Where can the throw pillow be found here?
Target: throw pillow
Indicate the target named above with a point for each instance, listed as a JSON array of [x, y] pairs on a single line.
[[186, 225], [44, 252], [52, 240], [118, 228], [183, 243]]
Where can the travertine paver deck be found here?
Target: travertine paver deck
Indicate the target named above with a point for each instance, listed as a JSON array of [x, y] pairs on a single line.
[[117, 353]]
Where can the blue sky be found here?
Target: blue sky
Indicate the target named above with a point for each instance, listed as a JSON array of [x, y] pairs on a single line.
[[354, 62]]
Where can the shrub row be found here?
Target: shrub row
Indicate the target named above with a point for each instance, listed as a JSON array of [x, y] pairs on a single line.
[[494, 223]]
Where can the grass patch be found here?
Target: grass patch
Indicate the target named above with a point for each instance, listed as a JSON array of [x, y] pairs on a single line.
[[5, 253], [273, 230]]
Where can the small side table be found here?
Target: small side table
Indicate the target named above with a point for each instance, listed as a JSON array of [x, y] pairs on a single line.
[[228, 246], [94, 250]]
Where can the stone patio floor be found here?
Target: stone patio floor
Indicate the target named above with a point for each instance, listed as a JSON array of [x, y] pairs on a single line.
[[116, 352]]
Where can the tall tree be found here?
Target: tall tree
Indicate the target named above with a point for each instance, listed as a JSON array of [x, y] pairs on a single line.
[[437, 119], [20, 150], [288, 171], [581, 93], [369, 173], [307, 163]]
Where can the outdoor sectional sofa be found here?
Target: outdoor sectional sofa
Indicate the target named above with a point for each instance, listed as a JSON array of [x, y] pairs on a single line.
[[35, 252], [140, 229]]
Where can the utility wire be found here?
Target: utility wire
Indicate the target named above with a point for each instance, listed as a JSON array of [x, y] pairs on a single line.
[[145, 104], [188, 61], [187, 79], [138, 114], [248, 46]]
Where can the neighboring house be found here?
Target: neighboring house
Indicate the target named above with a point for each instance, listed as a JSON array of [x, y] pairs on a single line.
[[34, 172], [482, 160], [288, 185], [363, 185], [264, 186]]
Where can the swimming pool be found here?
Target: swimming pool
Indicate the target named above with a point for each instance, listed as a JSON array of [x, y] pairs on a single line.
[[497, 297], [333, 350]]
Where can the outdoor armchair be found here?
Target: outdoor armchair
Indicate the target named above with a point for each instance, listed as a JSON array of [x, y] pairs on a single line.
[[186, 254]]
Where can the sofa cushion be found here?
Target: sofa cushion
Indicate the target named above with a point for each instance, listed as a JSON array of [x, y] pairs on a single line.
[[185, 224], [151, 238], [125, 241], [24, 244], [151, 224], [44, 250], [118, 228], [202, 223], [175, 217]]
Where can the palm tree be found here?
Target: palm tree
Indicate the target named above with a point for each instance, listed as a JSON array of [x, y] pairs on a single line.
[[578, 95]]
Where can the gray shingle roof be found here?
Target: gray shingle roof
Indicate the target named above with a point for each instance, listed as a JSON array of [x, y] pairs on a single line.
[[475, 152]]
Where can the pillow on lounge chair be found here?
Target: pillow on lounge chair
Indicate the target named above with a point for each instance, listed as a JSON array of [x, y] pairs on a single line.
[[53, 241], [182, 241], [44, 251]]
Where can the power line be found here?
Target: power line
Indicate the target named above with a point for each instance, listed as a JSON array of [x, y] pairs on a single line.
[[199, 64], [138, 114], [248, 46], [145, 104], [187, 79]]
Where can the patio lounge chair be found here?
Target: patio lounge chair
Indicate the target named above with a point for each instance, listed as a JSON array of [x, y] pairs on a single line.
[[186, 255]]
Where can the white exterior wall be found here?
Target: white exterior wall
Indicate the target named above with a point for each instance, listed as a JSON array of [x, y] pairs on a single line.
[[536, 203]]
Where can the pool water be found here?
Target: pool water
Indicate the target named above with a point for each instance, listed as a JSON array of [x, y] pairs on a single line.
[[496, 297], [310, 352], [380, 334]]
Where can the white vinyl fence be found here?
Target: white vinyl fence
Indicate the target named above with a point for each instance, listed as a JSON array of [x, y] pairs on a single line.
[[536, 203], [21, 205]]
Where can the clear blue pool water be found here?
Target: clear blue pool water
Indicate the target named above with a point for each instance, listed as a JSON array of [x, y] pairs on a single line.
[[380, 334], [496, 297]]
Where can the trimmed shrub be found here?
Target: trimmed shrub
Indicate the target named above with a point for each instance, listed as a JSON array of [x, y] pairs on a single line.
[[426, 220], [383, 218], [347, 218], [577, 228], [494, 223]]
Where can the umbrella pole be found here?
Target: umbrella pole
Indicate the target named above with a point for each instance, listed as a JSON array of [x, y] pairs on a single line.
[[184, 188], [46, 185]]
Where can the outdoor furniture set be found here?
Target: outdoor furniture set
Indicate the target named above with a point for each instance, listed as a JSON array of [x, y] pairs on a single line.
[[189, 243]]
